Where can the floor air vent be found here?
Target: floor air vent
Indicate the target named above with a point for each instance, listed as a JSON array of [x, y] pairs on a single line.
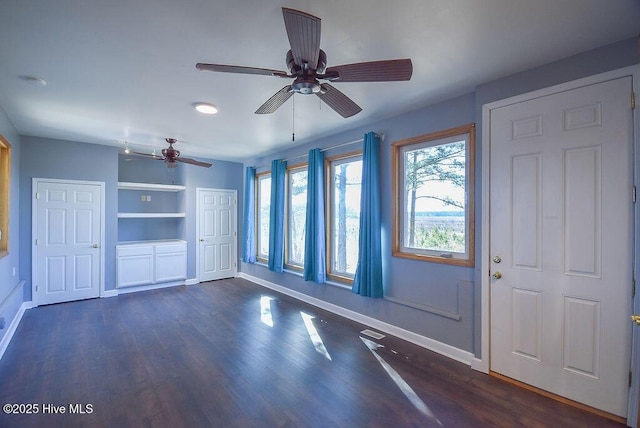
[[372, 333]]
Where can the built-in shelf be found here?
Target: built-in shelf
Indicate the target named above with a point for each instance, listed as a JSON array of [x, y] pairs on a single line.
[[151, 215], [152, 187], [124, 185]]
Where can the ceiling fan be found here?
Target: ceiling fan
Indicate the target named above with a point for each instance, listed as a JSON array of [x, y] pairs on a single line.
[[171, 156], [307, 65]]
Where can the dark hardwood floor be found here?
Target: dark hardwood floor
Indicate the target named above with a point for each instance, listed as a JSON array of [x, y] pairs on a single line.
[[205, 355]]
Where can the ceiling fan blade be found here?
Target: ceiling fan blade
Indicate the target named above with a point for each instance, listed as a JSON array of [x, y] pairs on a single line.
[[275, 101], [303, 31], [193, 162], [374, 71], [338, 101], [146, 154], [221, 68]]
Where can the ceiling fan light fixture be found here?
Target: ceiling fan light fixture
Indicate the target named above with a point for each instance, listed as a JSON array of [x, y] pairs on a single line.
[[206, 108]]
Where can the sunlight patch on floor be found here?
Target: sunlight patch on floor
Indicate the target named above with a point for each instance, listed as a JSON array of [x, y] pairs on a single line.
[[265, 310], [402, 384], [314, 336]]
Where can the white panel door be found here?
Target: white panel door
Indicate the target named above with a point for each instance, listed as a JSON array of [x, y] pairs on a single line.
[[561, 241], [67, 233], [217, 234]]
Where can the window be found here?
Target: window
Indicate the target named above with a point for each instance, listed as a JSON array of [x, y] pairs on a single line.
[[296, 215], [5, 176], [263, 205], [434, 193], [344, 180]]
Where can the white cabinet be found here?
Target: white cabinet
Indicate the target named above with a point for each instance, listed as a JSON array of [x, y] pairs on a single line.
[[150, 262], [170, 262], [134, 265]]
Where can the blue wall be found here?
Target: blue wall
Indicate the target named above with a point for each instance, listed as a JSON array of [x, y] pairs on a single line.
[[11, 295], [413, 285], [48, 158], [221, 175], [410, 283]]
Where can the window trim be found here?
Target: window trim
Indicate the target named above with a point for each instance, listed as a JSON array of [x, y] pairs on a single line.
[[5, 179], [398, 198], [259, 256], [291, 265], [356, 155]]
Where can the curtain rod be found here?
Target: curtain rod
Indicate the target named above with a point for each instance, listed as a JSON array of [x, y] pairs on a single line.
[[381, 136]]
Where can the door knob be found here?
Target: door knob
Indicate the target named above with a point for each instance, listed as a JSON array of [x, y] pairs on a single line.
[[636, 318], [96, 246], [497, 275], [201, 240], [497, 259]]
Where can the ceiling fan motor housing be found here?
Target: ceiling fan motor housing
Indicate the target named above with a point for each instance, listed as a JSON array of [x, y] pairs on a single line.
[[306, 81]]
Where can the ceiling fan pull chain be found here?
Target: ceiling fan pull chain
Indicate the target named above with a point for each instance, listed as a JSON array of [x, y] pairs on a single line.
[[293, 118]]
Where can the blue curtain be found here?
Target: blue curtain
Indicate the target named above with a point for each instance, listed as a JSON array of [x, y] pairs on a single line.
[[314, 236], [276, 215], [249, 217], [368, 278]]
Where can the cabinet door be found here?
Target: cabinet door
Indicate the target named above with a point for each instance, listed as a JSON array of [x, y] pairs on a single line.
[[134, 266], [171, 262]]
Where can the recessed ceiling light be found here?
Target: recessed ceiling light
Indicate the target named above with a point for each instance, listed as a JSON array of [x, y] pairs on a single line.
[[206, 108]]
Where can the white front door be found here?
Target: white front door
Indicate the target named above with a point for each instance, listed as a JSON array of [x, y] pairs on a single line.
[[217, 234], [67, 232], [561, 243]]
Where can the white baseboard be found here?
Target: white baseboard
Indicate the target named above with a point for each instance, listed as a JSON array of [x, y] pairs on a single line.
[[110, 293], [480, 365], [423, 341], [192, 281], [4, 343]]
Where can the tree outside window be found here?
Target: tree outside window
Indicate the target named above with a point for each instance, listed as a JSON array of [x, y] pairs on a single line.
[[264, 205], [434, 194], [296, 215], [345, 175]]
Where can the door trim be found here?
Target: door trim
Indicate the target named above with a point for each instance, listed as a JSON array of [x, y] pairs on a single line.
[[34, 229], [482, 363], [235, 245]]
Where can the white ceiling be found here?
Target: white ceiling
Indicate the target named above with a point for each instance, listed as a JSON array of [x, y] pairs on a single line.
[[125, 71]]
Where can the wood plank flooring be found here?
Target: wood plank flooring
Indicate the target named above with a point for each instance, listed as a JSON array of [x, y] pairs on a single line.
[[206, 355]]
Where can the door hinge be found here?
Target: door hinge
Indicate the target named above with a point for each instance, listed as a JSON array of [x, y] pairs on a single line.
[[633, 194], [36, 241], [36, 288], [633, 288], [630, 377], [37, 195], [633, 100]]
